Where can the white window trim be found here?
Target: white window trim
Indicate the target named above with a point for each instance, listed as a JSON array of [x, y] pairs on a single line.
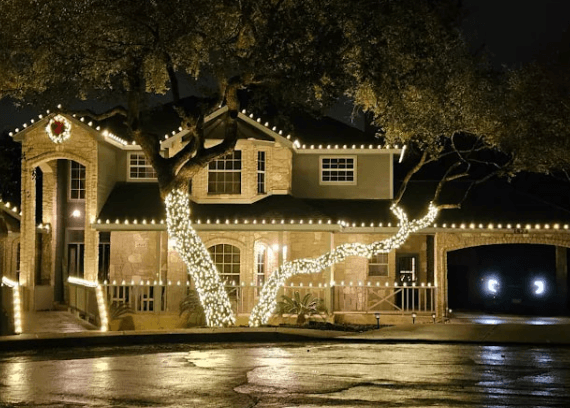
[[69, 198], [387, 263], [228, 276], [240, 171], [338, 183], [135, 179], [264, 172]]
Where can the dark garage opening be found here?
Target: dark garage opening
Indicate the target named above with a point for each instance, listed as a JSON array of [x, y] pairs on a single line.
[[513, 279]]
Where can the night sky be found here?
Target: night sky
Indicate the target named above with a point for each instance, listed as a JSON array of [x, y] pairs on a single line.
[[514, 31]]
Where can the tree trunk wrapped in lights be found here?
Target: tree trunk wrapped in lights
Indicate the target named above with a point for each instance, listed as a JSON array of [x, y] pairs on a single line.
[[191, 249], [267, 301]]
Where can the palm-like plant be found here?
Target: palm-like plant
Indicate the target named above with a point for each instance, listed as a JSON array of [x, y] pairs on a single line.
[[192, 308], [118, 310], [303, 307]]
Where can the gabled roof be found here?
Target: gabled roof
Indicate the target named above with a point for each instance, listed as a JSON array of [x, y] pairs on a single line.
[[309, 132]]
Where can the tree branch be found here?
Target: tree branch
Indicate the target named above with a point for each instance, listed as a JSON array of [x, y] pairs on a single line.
[[406, 180], [116, 111]]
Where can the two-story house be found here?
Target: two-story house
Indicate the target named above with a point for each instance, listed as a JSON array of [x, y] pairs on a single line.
[[91, 209]]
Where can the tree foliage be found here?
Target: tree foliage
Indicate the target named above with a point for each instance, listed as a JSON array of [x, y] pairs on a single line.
[[405, 62]]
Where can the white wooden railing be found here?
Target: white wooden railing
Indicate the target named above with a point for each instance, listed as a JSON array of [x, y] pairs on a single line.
[[161, 297]]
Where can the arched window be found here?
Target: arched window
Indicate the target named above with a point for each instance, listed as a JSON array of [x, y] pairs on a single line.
[[227, 260]]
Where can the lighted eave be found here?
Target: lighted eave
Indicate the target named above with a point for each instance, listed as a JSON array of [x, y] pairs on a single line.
[[514, 228], [347, 149], [223, 226], [11, 209]]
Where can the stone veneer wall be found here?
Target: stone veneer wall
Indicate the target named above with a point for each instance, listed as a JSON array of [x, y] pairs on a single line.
[[9, 255], [450, 241], [135, 255], [277, 171], [38, 149]]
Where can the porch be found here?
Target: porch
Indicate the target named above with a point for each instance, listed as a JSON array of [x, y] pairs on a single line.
[[156, 305]]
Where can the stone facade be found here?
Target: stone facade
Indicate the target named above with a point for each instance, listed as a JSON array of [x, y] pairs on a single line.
[[147, 255], [39, 151], [450, 241]]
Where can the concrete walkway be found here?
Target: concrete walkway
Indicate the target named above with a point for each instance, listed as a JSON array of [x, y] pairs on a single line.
[[53, 322]]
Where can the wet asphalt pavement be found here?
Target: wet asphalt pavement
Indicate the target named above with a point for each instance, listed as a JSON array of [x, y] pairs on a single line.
[[288, 375]]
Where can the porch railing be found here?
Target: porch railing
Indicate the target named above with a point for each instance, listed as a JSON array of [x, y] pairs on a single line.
[[83, 300], [149, 297], [385, 299]]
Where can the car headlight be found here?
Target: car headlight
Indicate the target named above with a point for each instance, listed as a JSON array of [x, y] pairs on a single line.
[[539, 287], [493, 285]]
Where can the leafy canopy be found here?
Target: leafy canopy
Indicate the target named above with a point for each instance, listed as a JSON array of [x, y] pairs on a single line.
[[404, 62]]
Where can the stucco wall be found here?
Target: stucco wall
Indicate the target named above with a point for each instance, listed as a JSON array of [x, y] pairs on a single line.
[[108, 167], [373, 177]]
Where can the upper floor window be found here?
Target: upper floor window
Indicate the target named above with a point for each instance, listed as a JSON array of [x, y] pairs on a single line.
[[76, 181], [140, 168], [338, 170], [378, 265], [227, 260], [224, 174], [261, 173]]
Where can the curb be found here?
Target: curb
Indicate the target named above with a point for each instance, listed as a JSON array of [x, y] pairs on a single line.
[[243, 336]]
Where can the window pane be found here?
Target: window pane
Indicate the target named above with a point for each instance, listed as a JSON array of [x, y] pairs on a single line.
[[338, 170], [224, 174]]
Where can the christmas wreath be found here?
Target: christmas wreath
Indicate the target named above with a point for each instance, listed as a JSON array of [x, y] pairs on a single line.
[[58, 129]]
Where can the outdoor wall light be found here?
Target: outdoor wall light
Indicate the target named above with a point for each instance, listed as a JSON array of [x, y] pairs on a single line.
[[76, 214], [414, 315]]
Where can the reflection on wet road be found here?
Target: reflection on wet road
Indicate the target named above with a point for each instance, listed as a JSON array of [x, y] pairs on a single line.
[[288, 375]]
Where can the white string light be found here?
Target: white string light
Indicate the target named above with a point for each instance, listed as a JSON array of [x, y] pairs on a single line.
[[267, 300], [101, 304], [58, 129], [17, 304], [192, 251]]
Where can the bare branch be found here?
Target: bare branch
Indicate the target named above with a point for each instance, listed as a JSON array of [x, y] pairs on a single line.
[[409, 176], [116, 111]]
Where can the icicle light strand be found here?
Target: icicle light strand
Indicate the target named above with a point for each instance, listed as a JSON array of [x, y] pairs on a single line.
[[213, 297], [267, 302]]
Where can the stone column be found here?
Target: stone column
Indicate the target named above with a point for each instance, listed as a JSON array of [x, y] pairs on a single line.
[[440, 276], [49, 216], [562, 278], [91, 236], [28, 235], [329, 294]]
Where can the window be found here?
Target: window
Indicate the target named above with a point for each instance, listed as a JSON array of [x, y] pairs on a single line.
[[261, 173], [227, 260], [224, 174], [338, 170], [76, 181], [104, 256], [140, 168], [75, 253], [260, 265], [407, 268], [378, 265]]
